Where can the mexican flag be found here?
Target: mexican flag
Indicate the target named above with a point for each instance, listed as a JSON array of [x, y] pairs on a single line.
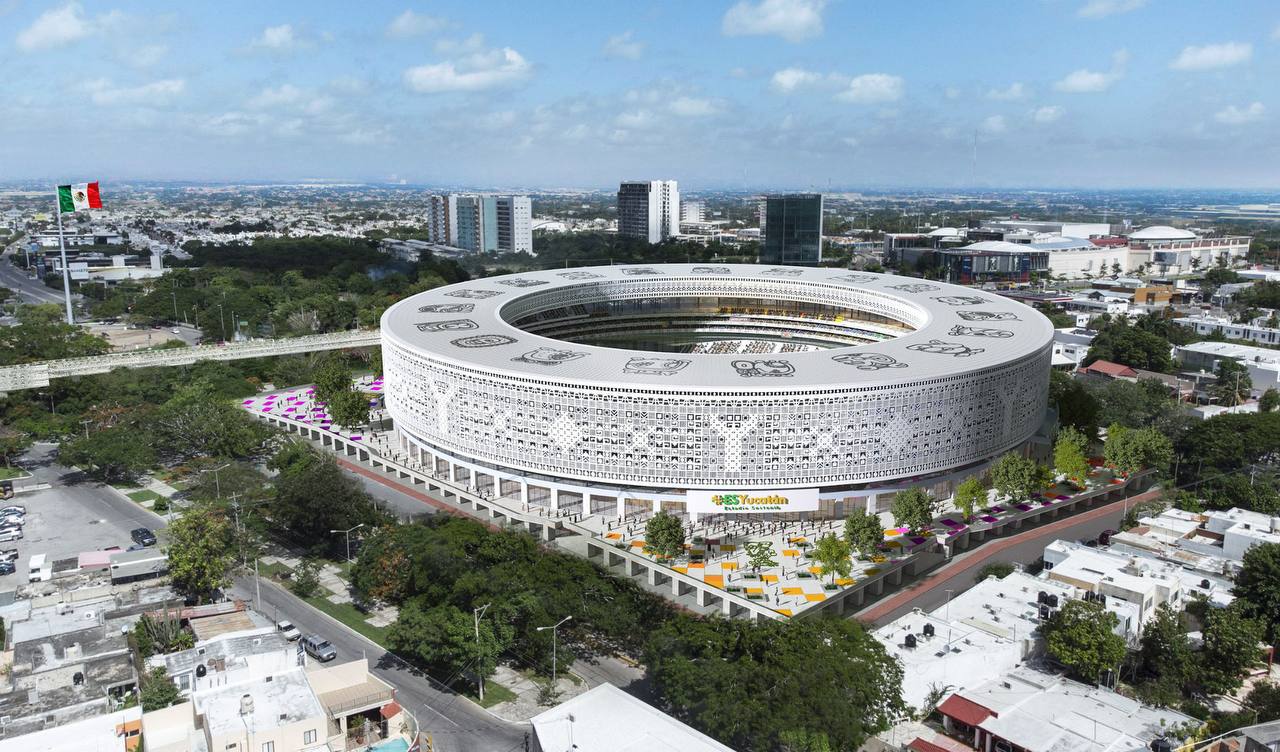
[[77, 197]]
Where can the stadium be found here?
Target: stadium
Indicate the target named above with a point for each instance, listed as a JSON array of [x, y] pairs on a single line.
[[705, 389]]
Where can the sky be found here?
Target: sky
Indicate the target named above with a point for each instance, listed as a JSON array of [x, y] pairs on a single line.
[[718, 94]]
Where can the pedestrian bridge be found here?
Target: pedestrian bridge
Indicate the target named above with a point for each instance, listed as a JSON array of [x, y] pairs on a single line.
[[34, 375]]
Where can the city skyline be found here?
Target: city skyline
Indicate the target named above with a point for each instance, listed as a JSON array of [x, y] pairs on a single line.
[[788, 94]]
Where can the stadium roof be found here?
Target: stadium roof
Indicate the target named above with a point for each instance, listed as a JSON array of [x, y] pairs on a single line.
[[957, 329], [1161, 232]]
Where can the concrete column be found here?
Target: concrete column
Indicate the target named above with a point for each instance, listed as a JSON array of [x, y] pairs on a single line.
[[621, 506], [652, 575], [555, 499], [871, 504], [634, 567]]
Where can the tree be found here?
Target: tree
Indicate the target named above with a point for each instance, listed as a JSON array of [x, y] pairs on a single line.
[[664, 535], [1231, 648], [113, 455], [161, 634], [1130, 450], [1076, 406], [349, 408], [1258, 585], [760, 555], [198, 422], [1000, 569], [200, 553], [42, 334], [1081, 636], [158, 690], [914, 509], [863, 532], [1232, 384], [306, 578], [833, 556], [752, 685], [444, 638], [1264, 700], [1165, 652], [333, 377], [1119, 342], [314, 496], [1069, 458], [1016, 477], [1269, 401], [1145, 403], [13, 444], [970, 495]]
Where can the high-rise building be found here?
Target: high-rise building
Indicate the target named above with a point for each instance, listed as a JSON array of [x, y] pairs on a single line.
[[442, 219], [515, 224], [481, 223], [792, 229], [649, 209], [693, 211]]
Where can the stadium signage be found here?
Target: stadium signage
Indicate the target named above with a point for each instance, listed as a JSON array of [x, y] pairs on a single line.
[[753, 502]]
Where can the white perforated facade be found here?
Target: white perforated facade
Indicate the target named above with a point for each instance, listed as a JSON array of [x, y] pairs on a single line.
[[963, 378]]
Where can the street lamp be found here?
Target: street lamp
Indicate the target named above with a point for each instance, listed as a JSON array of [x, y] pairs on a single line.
[[553, 628], [477, 613], [217, 486], [347, 533]]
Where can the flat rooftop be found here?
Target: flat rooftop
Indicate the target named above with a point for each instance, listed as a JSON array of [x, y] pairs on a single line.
[[285, 699]]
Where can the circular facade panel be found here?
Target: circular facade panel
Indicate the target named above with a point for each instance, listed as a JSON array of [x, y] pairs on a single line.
[[683, 376]]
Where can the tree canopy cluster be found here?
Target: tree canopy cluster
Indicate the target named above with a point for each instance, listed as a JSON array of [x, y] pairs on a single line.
[[753, 686]]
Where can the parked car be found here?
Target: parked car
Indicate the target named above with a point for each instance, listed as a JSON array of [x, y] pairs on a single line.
[[1105, 538], [289, 631], [13, 509], [7, 567], [113, 549], [13, 520], [143, 537], [8, 554], [10, 534], [319, 648]]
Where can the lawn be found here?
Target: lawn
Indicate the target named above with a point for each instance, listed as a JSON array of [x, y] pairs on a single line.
[[352, 617], [143, 495], [494, 693], [12, 472]]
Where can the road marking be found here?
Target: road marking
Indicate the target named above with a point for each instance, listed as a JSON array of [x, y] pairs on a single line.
[[442, 715]]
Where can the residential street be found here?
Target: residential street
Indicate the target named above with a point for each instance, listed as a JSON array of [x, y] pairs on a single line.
[[455, 724]]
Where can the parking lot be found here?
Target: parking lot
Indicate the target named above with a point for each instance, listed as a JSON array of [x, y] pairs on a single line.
[[70, 518]]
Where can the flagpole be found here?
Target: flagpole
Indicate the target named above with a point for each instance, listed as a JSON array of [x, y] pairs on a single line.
[[66, 273]]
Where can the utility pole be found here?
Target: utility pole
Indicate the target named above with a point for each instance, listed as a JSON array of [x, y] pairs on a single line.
[[477, 613]]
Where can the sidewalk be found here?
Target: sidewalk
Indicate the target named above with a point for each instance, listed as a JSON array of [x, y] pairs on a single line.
[[979, 556]]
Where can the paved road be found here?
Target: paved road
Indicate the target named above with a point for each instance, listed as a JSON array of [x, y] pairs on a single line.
[[1025, 546], [455, 724], [463, 727], [31, 290]]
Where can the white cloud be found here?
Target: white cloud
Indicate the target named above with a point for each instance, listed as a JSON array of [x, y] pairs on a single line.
[[147, 55], [1233, 115], [638, 119], [410, 24], [157, 92], [474, 72], [229, 124], [872, 88], [788, 80], [55, 28], [1211, 56], [622, 46], [1085, 81], [1104, 8], [1275, 33], [693, 107], [280, 38], [952, 92], [1047, 114], [349, 85], [793, 20], [994, 124], [282, 95], [1013, 91], [850, 142]]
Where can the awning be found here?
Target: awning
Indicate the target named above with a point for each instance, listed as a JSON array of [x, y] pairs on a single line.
[[391, 709], [965, 711]]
